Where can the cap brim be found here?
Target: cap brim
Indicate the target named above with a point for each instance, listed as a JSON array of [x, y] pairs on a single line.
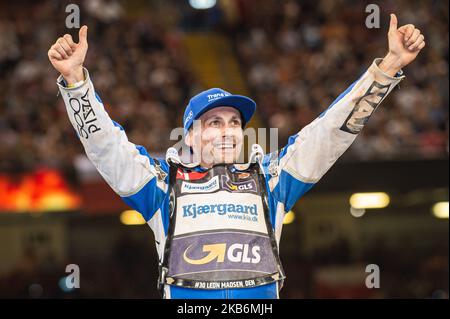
[[242, 103]]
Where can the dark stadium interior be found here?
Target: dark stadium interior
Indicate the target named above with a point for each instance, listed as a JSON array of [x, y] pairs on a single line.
[[294, 58]]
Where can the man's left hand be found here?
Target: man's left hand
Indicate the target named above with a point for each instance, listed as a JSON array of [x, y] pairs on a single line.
[[405, 44]]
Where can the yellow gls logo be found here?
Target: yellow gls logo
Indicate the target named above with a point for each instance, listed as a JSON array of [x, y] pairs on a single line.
[[236, 253], [232, 187], [215, 251]]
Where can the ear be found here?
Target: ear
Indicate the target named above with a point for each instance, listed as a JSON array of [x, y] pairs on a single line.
[[188, 138]]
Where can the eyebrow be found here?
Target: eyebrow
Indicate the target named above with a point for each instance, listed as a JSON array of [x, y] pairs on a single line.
[[216, 117], [213, 117]]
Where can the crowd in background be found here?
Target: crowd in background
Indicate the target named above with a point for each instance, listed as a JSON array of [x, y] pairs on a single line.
[[136, 64], [297, 58], [300, 55]]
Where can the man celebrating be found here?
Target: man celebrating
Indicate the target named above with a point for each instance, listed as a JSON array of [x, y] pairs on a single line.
[[217, 225]]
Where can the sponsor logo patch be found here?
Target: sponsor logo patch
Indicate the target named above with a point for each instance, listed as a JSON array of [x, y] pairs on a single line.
[[365, 107], [207, 187], [193, 210], [84, 115], [213, 97], [188, 117], [243, 175], [222, 251], [244, 186], [218, 210], [234, 253]]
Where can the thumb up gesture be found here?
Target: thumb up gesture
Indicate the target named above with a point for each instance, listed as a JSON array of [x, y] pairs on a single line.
[[67, 57], [405, 43]]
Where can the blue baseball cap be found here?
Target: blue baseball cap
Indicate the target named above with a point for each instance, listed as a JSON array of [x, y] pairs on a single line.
[[215, 97]]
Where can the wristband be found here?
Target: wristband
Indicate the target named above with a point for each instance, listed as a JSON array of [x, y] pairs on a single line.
[[70, 86], [77, 84]]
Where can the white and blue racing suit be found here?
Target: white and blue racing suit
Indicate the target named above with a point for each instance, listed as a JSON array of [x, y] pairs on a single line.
[[142, 182]]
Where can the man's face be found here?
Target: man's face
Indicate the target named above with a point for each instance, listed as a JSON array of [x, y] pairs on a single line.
[[217, 137]]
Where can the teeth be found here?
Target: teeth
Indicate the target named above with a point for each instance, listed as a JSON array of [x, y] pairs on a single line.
[[224, 145]]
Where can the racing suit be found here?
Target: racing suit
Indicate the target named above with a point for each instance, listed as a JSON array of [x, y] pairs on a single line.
[[143, 182]]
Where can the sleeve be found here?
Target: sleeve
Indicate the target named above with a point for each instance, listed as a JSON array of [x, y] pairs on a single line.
[[310, 153], [128, 169]]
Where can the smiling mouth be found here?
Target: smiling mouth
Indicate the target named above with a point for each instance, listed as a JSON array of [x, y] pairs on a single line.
[[225, 146]]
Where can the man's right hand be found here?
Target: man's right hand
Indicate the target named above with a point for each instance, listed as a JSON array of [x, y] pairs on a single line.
[[67, 57]]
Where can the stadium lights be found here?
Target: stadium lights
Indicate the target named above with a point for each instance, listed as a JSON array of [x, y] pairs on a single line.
[[369, 200], [202, 4], [289, 218], [131, 217], [440, 210], [357, 212]]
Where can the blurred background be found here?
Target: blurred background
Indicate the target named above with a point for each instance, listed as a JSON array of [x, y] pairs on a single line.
[[385, 202]]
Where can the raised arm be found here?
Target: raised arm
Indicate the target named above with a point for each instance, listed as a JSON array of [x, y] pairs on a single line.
[[126, 167], [310, 153]]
